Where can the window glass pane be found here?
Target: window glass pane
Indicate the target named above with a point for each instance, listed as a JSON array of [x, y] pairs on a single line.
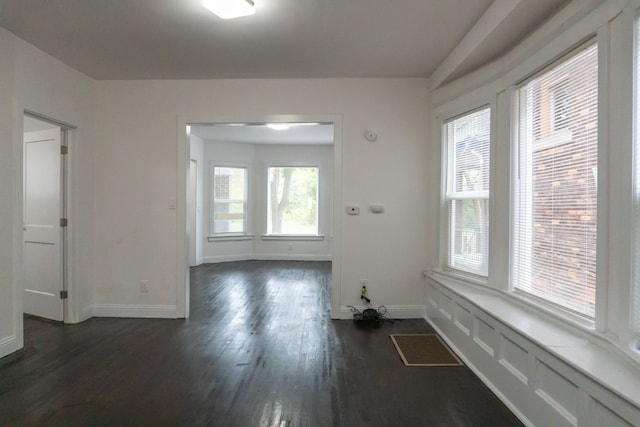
[[468, 150], [469, 232], [229, 200], [293, 200], [556, 193]]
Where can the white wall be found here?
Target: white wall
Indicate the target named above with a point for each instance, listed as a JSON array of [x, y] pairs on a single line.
[[196, 146], [9, 340], [136, 176], [123, 173], [32, 80], [257, 158]]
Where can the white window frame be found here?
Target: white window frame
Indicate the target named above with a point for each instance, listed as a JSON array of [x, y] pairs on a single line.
[[451, 195], [229, 234], [634, 292], [555, 138]]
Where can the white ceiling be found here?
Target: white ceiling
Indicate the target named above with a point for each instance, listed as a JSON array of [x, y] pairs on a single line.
[[300, 133], [180, 39]]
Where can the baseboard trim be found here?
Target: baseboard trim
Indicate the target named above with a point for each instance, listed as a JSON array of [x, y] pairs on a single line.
[[292, 257], [225, 258], [265, 257], [8, 345], [86, 313], [393, 311], [136, 311]]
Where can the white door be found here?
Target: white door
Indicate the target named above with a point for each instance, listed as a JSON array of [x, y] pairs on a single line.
[[43, 254]]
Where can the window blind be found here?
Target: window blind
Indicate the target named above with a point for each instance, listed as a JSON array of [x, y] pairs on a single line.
[[467, 198], [555, 220]]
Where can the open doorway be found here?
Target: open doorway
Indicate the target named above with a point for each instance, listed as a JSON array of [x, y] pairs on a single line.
[[243, 157], [44, 217]]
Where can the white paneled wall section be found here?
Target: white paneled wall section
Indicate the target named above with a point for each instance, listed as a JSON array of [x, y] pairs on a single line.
[[550, 366]]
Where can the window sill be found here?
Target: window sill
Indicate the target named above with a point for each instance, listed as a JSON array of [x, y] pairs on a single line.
[[582, 348], [457, 275], [517, 297], [230, 238], [297, 237]]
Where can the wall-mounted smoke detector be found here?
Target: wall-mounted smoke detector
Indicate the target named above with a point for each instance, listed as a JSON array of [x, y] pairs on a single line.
[[370, 135]]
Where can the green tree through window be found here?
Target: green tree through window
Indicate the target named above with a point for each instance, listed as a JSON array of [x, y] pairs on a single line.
[[293, 200]]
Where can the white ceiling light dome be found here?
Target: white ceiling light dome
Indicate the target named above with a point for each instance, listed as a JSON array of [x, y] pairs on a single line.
[[230, 9]]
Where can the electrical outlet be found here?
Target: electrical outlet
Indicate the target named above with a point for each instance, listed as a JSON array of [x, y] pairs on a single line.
[[144, 286], [364, 283]]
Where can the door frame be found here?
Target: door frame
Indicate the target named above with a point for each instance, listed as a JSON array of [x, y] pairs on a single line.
[[67, 137], [192, 212], [184, 157]]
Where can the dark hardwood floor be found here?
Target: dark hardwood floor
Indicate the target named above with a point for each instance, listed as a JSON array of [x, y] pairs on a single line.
[[259, 349]]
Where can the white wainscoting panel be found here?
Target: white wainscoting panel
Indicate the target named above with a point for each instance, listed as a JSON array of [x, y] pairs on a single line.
[[514, 358], [484, 335], [604, 416], [546, 374], [463, 319], [557, 391]]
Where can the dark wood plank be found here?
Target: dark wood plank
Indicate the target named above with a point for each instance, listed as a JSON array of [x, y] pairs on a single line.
[[259, 349]]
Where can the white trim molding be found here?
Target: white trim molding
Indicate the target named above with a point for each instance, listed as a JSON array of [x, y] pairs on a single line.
[[229, 237], [265, 257], [548, 374], [293, 237], [137, 311], [8, 345], [86, 313]]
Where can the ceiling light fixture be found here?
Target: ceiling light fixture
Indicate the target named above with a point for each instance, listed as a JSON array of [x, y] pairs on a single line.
[[229, 9], [278, 126]]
